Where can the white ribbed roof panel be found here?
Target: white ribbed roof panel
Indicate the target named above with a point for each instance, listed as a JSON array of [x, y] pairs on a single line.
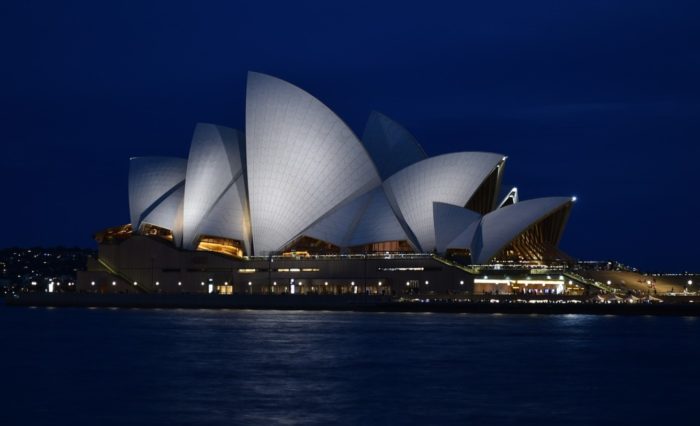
[[337, 226], [302, 161], [227, 218], [503, 225], [450, 221], [449, 178], [378, 222], [168, 214], [151, 181], [465, 238], [214, 162], [391, 146]]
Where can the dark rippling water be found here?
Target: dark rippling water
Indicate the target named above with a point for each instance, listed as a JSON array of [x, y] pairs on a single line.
[[103, 366]]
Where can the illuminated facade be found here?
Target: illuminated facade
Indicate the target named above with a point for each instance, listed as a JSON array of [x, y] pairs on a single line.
[[300, 181]]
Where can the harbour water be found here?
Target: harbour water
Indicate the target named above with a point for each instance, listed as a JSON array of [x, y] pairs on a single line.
[[223, 367]]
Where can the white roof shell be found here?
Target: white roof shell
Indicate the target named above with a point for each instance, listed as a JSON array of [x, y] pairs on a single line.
[[168, 214], [228, 216], [450, 222], [449, 178], [501, 226], [155, 191], [378, 222], [337, 226], [390, 145], [302, 161], [364, 220], [215, 191]]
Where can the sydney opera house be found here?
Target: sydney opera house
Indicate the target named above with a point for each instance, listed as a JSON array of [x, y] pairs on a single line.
[[298, 203]]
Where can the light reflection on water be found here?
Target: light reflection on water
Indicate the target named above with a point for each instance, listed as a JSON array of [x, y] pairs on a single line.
[[270, 367]]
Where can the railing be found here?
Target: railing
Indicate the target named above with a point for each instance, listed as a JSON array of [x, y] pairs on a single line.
[[343, 256], [465, 268], [121, 275], [606, 288]]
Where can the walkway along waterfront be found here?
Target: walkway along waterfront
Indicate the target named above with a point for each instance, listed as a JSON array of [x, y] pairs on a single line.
[[488, 304]]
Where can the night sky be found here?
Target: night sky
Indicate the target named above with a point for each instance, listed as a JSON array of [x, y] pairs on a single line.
[[598, 99]]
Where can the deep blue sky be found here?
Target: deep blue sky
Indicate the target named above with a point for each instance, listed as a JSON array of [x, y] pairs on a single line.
[[599, 99]]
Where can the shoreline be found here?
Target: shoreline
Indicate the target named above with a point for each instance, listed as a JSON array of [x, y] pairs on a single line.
[[340, 303]]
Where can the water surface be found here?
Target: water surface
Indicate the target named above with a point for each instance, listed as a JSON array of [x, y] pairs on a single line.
[[129, 366]]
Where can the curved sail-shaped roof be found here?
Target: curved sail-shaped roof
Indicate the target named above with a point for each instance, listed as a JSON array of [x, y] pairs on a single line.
[[337, 225], [302, 161], [466, 238], [378, 222], [391, 146], [503, 225], [168, 214], [228, 216], [364, 220], [450, 222], [214, 166], [152, 181], [449, 178]]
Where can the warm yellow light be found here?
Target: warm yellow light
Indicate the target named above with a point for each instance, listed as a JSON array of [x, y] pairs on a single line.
[[220, 245]]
